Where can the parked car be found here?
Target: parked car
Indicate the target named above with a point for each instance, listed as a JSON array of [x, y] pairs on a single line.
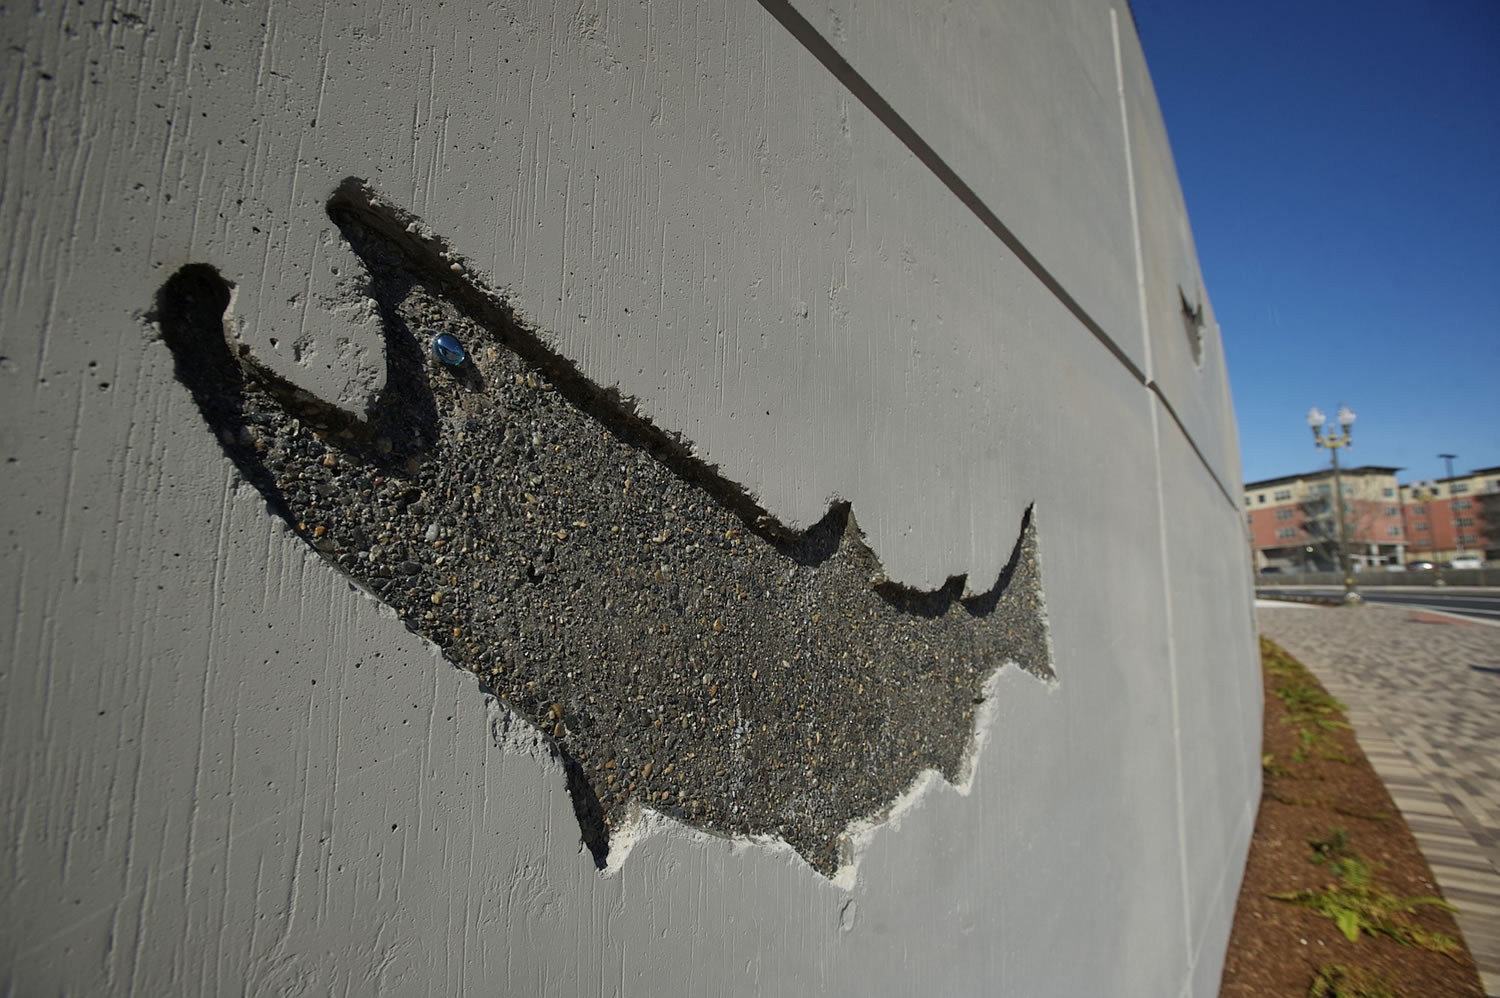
[[1466, 561], [1420, 566]]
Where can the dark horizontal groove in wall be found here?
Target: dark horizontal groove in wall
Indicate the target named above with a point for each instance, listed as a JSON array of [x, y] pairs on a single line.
[[1167, 405], [822, 50]]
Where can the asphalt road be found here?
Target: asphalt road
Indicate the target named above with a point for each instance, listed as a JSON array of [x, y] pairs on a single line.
[[1483, 603]]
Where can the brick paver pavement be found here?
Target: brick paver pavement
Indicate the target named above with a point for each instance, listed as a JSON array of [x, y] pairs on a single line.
[[1430, 723]]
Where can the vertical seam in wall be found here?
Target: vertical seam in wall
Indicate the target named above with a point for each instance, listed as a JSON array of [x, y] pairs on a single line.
[[1135, 209], [1161, 510], [1166, 583]]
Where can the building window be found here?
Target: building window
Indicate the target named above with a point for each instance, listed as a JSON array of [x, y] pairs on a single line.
[[1419, 525], [1286, 533], [1285, 514], [1282, 495], [1348, 506], [1466, 538], [1392, 511], [1419, 510], [1388, 493], [1247, 500], [1464, 521], [1261, 498], [1458, 488], [1460, 504], [1393, 531], [1321, 489]]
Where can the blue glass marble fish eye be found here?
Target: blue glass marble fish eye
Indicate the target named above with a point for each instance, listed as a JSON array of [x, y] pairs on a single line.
[[446, 348]]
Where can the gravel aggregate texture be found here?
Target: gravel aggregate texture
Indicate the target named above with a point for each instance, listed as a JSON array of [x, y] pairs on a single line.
[[682, 649]]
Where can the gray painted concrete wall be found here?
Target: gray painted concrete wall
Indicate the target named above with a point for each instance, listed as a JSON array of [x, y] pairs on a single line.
[[936, 266]]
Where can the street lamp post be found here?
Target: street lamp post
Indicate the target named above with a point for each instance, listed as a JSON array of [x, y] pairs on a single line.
[[1324, 436], [1458, 541]]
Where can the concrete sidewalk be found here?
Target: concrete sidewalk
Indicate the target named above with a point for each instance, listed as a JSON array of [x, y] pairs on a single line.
[[1429, 721]]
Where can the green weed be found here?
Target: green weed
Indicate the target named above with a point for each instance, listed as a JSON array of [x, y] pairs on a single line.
[[1362, 815], [1374, 911], [1334, 847], [1309, 707], [1358, 905], [1307, 700], [1334, 980], [1323, 800], [1271, 767]]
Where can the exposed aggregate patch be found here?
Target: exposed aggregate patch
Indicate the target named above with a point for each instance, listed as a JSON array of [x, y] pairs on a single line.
[[684, 652]]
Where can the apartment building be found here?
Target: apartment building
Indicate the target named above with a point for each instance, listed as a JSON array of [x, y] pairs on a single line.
[[1447, 517], [1293, 527]]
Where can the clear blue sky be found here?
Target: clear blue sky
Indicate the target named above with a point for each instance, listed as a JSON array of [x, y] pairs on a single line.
[[1341, 164]]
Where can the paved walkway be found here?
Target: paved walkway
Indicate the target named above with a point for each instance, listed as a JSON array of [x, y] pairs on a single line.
[[1429, 721]]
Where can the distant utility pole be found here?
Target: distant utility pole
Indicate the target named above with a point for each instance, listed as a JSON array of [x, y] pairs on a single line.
[[1452, 513]]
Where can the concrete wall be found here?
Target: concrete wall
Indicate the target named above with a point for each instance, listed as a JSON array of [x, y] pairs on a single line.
[[935, 266]]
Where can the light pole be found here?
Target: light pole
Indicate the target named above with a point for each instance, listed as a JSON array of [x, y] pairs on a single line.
[[1324, 436], [1452, 513]]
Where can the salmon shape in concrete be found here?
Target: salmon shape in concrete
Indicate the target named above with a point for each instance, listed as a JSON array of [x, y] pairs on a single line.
[[681, 649]]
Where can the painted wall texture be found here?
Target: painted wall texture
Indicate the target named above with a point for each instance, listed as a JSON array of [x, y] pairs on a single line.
[[823, 575]]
